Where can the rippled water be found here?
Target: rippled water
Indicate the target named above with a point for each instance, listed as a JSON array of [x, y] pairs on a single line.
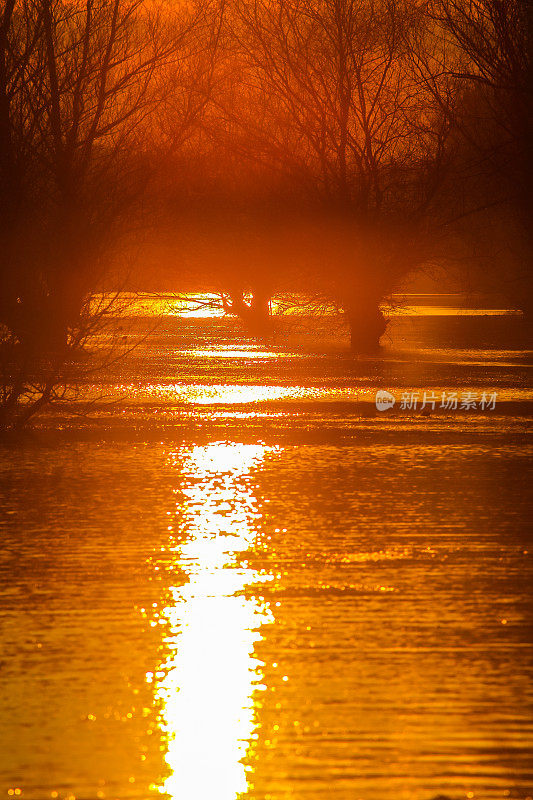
[[242, 581]]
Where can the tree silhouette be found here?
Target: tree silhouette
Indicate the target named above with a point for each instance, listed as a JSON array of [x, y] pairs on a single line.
[[78, 83]]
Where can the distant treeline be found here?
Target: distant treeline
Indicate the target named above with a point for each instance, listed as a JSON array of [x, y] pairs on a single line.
[[329, 147]]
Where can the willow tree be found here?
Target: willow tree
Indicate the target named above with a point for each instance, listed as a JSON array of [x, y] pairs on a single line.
[[481, 55], [328, 98], [78, 84]]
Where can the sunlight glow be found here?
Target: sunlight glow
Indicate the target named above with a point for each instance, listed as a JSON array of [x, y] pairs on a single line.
[[212, 674], [243, 352], [145, 304], [202, 394], [447, 311], [209, 306]]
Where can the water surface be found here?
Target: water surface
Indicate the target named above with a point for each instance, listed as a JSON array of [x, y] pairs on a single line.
[[240, 580]]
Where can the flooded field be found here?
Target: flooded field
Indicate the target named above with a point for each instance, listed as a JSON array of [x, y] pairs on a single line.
[[233, 577]]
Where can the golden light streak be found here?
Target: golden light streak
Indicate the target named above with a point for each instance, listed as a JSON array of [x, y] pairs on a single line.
[[211, 677], [209, 306]]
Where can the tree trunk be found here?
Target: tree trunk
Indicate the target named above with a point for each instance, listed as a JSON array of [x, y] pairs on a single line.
[[255, 315], [366, 323], [260, 321]]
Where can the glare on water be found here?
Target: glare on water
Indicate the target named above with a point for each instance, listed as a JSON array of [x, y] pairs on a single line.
[[234, 582], [212, 674]]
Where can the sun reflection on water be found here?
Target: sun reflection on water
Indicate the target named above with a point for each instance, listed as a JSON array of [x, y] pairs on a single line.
[[212, 673]]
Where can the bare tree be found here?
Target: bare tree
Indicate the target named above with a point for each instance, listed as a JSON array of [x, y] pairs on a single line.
[[476, 60], [78, 85], [327, 98]]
